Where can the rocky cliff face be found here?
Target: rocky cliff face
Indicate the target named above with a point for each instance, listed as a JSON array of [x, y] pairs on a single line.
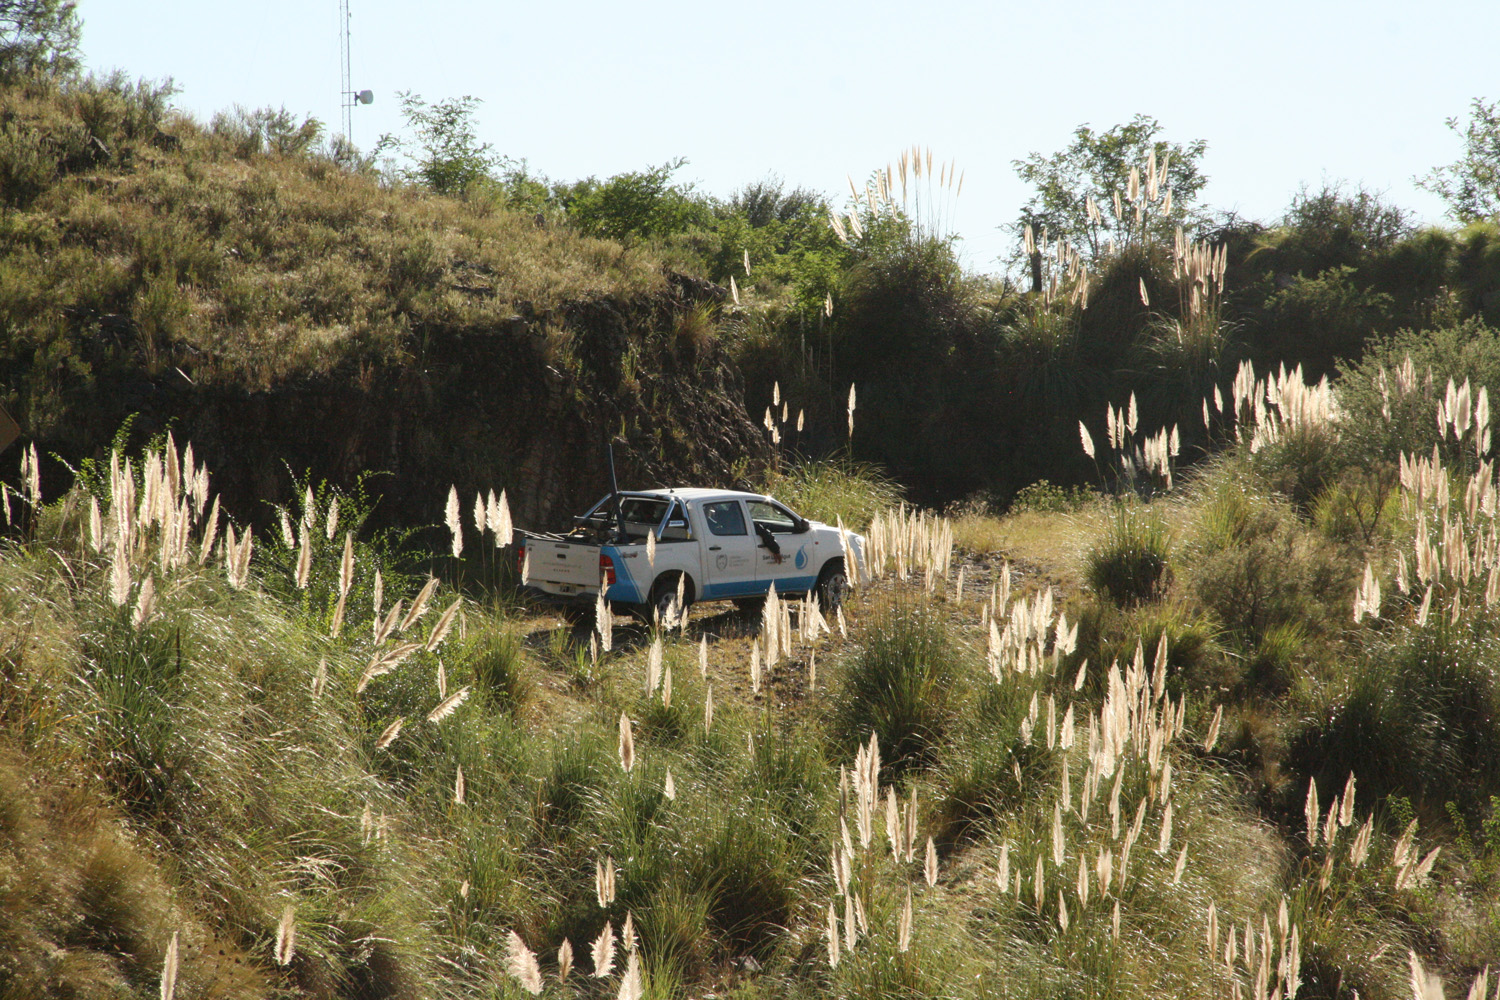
[[527, 406]]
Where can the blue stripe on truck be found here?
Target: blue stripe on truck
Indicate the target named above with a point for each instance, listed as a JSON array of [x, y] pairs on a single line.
[[624, 588], [754, 588]]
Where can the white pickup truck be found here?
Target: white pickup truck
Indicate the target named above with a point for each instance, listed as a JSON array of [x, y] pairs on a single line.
[[718, 544]]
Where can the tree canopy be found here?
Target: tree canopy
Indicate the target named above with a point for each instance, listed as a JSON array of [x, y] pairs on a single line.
[[1093, 169], [1471, 184], [37, 35]]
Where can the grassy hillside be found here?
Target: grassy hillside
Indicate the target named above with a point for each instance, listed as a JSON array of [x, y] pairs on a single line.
[[1102, 747], [232, 279]]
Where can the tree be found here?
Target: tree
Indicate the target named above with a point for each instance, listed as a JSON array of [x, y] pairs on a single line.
[[636, 205], [1076, 188], [448, 154], [38, 35], [1471, 184]]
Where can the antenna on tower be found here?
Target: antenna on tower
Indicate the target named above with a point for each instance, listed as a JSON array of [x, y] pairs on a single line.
[[348, 97]]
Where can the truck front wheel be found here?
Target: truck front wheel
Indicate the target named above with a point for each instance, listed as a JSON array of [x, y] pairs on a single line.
[[831, 586]]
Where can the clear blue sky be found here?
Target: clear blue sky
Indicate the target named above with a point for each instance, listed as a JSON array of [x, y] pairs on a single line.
[[1286, 93]]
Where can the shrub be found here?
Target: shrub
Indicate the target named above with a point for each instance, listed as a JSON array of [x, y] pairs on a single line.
[[1130, 564], [1044, 497], [1360, 508], [899, 685], [829, 489], [1195, 659], [1469, 350], [1420, 718], [1252, 566], [26, 167]]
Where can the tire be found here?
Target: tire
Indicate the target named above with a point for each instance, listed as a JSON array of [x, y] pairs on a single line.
[[831, 586], [664, 596]]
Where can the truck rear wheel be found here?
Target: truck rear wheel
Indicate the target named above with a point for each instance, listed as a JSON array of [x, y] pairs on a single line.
[[663, 600]]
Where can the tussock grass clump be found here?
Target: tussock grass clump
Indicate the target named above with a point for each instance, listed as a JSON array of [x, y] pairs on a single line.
[[902, 684], [831, 489], [495, 658], [85, 910], [1130, 564], [750, 877], [1420, 718], [1196, 660]]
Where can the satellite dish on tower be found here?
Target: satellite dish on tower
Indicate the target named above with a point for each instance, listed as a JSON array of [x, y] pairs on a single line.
[[365, 97]]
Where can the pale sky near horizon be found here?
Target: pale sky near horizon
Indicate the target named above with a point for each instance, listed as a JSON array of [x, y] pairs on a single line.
[[1285, 93]]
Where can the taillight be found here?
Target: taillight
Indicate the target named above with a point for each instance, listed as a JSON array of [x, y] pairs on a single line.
[[607, 570], [521, 558]]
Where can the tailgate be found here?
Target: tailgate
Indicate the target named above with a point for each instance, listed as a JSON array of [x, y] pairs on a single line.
[[563, 567]]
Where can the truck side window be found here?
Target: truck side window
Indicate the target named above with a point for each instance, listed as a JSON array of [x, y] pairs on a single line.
[[773, 516], [724, 517]]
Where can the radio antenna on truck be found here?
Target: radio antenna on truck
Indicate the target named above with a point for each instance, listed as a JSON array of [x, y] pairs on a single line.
[[614, 490]]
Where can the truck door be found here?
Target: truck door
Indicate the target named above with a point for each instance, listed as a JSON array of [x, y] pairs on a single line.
[[783, 555], [729, 551]]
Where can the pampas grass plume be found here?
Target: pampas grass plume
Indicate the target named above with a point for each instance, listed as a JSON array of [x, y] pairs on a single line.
[[169, 970], [627, 744], [449, 705], [520, 962], [604, 952], [391, 732], [286, 936]]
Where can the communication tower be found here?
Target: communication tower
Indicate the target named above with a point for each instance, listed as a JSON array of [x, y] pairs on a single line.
[[348, 96]]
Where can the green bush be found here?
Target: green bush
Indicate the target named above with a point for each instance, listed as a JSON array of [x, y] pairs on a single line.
[[27, 168], [1361, 507], [1469, 350], [1251, 565], [1044, 497], [1420, 718], [1130, 564]]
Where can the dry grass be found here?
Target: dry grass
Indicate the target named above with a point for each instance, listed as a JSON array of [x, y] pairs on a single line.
[[279, 784], [1055, 543], [253, 268]]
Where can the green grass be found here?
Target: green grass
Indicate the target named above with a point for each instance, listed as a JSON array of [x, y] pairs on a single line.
[[1130, 564], [831, 489], [902, 684], [188, 766]]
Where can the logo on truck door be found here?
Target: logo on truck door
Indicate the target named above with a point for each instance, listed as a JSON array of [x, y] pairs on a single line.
[[722, 562], [801, 560]]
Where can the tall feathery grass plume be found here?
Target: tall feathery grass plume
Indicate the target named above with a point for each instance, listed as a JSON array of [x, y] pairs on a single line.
[[521, 963], [452, 520], [286, 936]]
